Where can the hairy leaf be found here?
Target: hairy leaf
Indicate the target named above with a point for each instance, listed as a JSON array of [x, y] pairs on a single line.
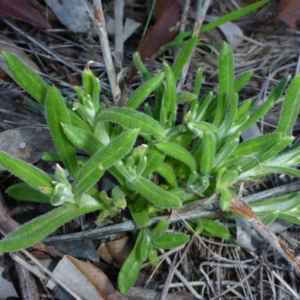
[[154, 193], [26, 77], [36, 229], [290, 108], [28, 173], [57, 113], [131, 118], [178, 152], [94, 168], [144, 90]]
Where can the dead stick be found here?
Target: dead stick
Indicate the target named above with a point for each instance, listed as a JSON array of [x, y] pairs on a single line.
[[242, 209], [100, 22]]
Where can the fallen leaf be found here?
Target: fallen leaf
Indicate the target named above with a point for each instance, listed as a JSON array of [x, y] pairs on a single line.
[[73, 14], [23, 11], [116, 252], [167, 14], [26, 143], [289, 12], [7, 289], [84, 279], [9, 46], [80, 249]]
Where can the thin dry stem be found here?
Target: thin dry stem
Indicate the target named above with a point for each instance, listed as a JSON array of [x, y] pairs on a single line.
[[100, 25], [119, 32], [202, 9]]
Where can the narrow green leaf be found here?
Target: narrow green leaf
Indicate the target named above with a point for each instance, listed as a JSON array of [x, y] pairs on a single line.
[[265, 142], [169, 100], [268, 218], [246, 163], [177, 152], [57, 113], [226, 82], [265, 170], [169, 240], [184, 56], [154, 193], [152, 255], [243, 110], [140, 217], [119, 197], [50, 156], [199, 115], [228, 122], [38, 228], [131, 267], [225, 199], [160, 227], [198, 82], [91, 86], [228, 179], [77, 120], [225, 151], [290, 108], [94, 168], [281, 204], [82, 139], [241, 81], [233, 16], [288, 157], [28, 173], [168, 174], [24, 192], [264, 108], [154, 159], [199, 127], [144, 90], [28, 79], [215, 229], [102, 131], [140, 65], [292, 217], [185, 96], [208, 153], [143, 251], [131, 118]]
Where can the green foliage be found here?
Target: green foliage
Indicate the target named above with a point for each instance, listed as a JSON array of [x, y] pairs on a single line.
[[147, 152], [233, 15]]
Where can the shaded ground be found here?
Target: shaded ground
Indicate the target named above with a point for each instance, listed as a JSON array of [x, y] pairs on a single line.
[[211, 268]]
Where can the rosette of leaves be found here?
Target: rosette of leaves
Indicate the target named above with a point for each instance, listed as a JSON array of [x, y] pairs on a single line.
[[202, 151]]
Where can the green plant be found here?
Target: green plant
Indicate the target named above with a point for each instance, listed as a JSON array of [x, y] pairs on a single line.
[[150, 152]]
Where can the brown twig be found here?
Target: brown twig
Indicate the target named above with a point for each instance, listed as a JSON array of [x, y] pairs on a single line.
[[100, 25], [242, 209]]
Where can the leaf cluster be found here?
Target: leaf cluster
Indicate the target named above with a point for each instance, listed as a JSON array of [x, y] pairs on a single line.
[[149, 151]]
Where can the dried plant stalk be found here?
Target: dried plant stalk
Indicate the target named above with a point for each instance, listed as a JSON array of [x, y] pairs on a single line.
[[243, 210], [100, 22]]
